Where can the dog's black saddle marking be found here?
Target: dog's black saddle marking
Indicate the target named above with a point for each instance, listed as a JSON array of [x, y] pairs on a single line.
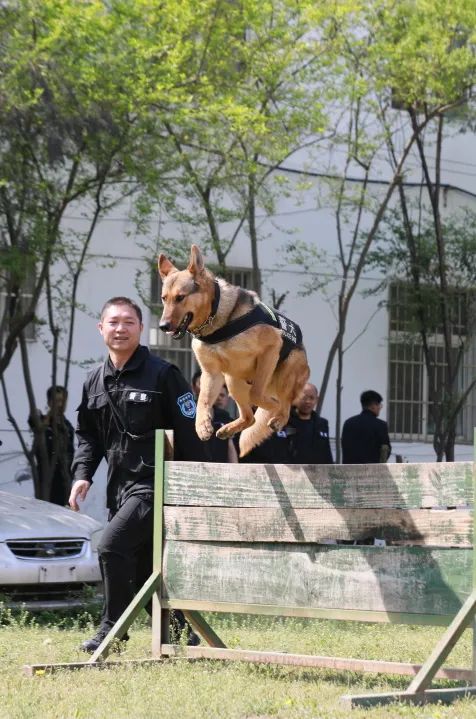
[[260, 315]]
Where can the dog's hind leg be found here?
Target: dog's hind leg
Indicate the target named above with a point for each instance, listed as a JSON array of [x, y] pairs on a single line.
[[288, 381], [265, 366]]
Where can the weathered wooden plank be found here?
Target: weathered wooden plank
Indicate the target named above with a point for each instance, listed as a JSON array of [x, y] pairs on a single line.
[[370, 666], [435, 527], [38, 670], [338, 663], [432, 696], [158, 619], [396, 579], [347, 615], [433, 484]]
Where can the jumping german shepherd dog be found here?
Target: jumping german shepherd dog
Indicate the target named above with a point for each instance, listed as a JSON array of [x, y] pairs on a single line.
[[237, 340]]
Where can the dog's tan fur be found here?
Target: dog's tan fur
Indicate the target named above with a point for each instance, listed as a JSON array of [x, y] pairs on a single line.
[[248, 362]]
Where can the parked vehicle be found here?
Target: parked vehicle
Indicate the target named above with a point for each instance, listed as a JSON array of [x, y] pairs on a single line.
[[48, 554]]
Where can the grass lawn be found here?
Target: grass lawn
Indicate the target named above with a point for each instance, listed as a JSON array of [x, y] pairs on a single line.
[[189, 690]]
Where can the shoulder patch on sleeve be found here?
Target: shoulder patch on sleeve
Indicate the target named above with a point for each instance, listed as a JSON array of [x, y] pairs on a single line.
[[187, 406]]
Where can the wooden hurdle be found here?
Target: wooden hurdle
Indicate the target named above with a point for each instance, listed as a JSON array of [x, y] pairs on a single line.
[[254, 539]]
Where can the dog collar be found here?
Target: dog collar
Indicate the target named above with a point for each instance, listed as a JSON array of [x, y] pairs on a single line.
[[211, 317]]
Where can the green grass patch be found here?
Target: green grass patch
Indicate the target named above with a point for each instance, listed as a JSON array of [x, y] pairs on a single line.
[[178, 689]]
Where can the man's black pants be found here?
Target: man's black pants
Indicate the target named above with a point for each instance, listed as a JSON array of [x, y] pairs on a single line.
[[125, 556]]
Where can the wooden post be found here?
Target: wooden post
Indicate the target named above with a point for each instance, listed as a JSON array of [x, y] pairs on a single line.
[[473, 679], [127, 617], [474, 553], [463, 619], [157, 612]]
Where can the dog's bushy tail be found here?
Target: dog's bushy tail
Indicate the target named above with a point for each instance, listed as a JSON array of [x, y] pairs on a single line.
[[257, 433]]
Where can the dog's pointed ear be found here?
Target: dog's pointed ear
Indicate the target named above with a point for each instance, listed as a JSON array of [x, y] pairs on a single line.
[[196, 264], [165, 266]]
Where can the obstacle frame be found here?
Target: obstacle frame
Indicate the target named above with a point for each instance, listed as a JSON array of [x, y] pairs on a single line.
[[419, 691]]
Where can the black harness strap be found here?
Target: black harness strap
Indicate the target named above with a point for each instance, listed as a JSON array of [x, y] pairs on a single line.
[[216, 299], [260, 315], [118, 417]]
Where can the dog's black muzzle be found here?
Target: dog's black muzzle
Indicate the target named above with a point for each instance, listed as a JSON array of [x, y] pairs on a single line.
[[181, 329]]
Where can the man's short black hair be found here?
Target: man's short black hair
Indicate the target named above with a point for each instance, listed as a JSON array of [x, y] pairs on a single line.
[[370, 397], [123, 301], [51, 391]]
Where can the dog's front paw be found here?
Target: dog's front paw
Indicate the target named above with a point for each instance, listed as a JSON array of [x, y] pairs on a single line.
[[226, 431], [204, 428]]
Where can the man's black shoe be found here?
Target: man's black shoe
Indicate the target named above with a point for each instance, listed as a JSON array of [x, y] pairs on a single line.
[[90, 645], [193, 639]]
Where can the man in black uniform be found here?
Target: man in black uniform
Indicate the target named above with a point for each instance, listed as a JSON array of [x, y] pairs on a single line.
[[124, 401], [365, 437], [309, 443], [304, 440]]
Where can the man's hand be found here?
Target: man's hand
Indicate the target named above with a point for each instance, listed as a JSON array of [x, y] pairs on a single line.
[[79, 490], [384, 452]]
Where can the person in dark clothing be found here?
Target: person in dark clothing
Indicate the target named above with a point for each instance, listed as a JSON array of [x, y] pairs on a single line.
[[274, 450], [217, 450], [221, 450], [59, 445], [124, 401], [309, 443], [365, 437], [304, 440]]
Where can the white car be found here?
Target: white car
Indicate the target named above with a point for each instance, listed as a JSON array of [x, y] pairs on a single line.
[[48, 554]]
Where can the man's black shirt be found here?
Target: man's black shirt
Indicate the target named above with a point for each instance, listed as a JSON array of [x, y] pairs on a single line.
[[310, 443], [301, 441], [147, 394], [362, 438], [217, 449]]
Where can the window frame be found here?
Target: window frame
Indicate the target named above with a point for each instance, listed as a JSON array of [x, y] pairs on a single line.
[[402, 341]]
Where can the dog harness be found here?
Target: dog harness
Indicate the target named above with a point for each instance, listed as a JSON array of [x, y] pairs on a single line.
[[261, 314]]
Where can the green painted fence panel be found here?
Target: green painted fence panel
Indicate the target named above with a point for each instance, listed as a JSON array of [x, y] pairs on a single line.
[[407, 486], [434, 527], [392, 579]]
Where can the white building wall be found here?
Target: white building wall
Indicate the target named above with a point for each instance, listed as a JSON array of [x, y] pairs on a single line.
[[116, 260]]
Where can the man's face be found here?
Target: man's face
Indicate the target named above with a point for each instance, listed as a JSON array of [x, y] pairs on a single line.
[[59, 402], [376, 408], [120, 329], [222, 399], [307, 401]]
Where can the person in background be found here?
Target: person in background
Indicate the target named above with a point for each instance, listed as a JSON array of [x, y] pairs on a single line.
[[59, 445], [124, 401], [218, 450], [365, 437], [309, 443], [195, 382], [304, 440]]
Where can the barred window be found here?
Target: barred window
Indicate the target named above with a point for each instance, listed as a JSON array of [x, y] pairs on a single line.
[[409, 415], [179, 352]]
